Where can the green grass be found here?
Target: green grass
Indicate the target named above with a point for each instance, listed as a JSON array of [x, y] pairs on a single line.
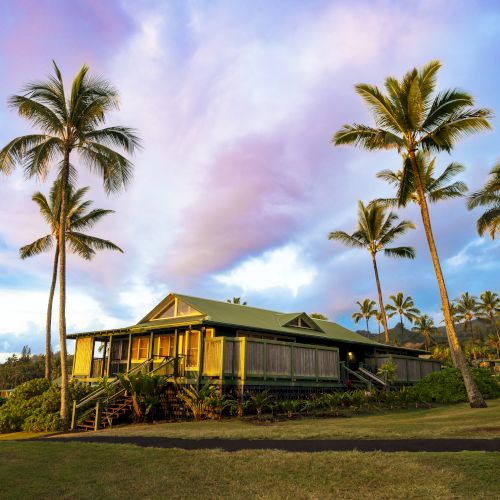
[[447, 421], [18, 436], [79, 470]]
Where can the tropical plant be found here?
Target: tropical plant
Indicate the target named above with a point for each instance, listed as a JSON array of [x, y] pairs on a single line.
[[402, 306], [424, 325], [236, 300], [466, 308], [409, 118], [69, 124], [375, 232], [197, 400], [488, 196], [435, 188], [84, 245], [217, 404], [145, 391], [387, 370], [366, 311], [259, 401], [487, 309]]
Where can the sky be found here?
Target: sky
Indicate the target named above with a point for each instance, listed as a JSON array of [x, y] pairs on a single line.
[[238, 184]]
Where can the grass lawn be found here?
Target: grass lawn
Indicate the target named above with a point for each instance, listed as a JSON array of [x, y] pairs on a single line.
[[447, 421], [80, 470]]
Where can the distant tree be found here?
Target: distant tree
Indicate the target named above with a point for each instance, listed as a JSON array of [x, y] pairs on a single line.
[[376, 231], [425, 326], [366, 311], [466, 309], [488, 308], [236, 300], [402, 306], [318, 316], [488, 196], [78, 219], [379, 317]]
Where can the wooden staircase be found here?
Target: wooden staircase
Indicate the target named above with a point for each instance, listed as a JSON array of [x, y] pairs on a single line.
[[111, 414]]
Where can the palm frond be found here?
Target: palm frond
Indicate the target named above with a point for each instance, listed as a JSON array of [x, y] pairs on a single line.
[[79, 247], [87, 221], [39, 246], [96, 243], [123, 137], [45, 209], [367, 137], [37, 113], [400, 252], [345, 239], [38, 159], [14, 152]]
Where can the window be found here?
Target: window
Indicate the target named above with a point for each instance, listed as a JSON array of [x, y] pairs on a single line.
[[176, 308], [140, 348], [192, 346], [119, 349], [164, 345], [300, 323]]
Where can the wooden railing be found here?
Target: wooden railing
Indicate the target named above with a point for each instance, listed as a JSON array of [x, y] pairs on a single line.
[[113, 390]]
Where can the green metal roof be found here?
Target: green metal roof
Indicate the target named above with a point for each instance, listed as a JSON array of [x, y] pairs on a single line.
[[215, 312]]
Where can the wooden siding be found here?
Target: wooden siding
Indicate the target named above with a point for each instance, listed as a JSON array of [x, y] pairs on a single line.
[[408, 369], [83, 356], [246, 358]]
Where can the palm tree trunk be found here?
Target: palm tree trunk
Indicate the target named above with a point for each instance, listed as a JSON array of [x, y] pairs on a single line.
[[48, 326], [367, 328], [402, 327], [475, 398], [473, 340], [380, 300], [495, 330], [62, 292]]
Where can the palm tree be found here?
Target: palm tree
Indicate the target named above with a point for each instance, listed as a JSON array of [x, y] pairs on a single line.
[[379, 317], [435, 188], [375, 232], [489, 196], [69, 124], [236, 300], [366, 311], [466, 309], [488, 308], [411, 117], [404, 307], [318, 316], [77, 220], [425, 326]]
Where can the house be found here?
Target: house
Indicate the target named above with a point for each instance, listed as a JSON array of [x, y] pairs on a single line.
[[195, 341]]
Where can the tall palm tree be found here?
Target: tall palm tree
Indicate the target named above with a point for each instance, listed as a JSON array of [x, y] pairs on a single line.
[[489, 196], [78, 219], [366, 311], [487, 308], [375, 232], [409, 118], [436, 188], [425, 326], [69, 124], [404, 307], [466, 308]]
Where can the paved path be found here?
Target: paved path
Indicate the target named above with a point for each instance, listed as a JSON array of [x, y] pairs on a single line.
[[304, 445]]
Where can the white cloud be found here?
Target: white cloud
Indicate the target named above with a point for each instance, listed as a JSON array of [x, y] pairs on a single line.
[[279, 268]]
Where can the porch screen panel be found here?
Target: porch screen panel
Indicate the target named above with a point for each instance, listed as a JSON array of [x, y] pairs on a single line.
[[228, 356], [255, 358], [193, 339], [83, 357], [401, 370], [304, 362], [140, 348], [328, 363], [212, 362], [279, 359], [413, 366]]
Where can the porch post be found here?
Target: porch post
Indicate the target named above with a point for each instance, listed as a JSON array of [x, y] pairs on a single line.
[[108, 364], [201, 353], [176, 354], [129, 351]]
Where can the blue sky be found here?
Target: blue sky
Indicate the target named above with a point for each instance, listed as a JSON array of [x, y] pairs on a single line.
[[238, 184]]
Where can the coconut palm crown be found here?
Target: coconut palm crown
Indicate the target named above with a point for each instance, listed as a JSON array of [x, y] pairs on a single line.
[[376, 231], [488, 308], [366, 311], [69, 123], [402, 306], [410, 117], [488, 196], [425, 326], [436, 188]]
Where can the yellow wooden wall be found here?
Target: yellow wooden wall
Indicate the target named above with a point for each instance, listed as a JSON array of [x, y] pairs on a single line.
[[83, 356]]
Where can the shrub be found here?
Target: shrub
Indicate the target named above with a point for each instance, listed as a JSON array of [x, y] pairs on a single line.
[[447, 386], [33, 406]]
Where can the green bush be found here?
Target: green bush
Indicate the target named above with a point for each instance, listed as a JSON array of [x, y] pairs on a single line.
[[33, 406], [447, 386]]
